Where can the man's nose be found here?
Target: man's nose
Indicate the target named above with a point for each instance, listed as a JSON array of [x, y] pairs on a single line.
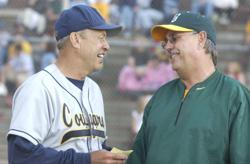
[[106, 45]]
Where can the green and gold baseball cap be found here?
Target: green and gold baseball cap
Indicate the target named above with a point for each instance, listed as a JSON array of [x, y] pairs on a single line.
[[185, 22]]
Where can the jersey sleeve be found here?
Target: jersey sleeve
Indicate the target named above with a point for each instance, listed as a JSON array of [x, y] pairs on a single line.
[[31, 114], [239, 129], [22, 150]]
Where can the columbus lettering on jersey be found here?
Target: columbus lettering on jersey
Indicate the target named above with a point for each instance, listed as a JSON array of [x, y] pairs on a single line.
[[80, 120]]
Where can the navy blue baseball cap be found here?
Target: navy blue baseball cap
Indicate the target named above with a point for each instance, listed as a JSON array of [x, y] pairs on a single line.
[[80, 17]]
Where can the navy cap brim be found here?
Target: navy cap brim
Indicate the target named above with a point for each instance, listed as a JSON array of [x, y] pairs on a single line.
[[111, 30]]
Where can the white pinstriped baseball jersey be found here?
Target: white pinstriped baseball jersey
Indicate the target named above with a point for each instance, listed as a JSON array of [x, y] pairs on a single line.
[[50, 110]]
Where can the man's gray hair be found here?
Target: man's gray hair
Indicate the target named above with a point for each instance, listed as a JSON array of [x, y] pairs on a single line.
[[211, 49], [62, 42]]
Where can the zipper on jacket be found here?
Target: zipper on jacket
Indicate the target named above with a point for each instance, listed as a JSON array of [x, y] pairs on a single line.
[[179, 111]]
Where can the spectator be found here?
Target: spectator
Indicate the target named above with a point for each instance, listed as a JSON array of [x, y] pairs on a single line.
[[103, 6], [3, 3], [156, 74], [235, 71], [146, 16], [141, 52], [38, 5], [51, 17], [247, 33], [137, 114], [204, 7], [170, 8], [18, 68], [21, 64], [157, 4], [135, 81], [130, 79], [114, 12], [49, 55], [3, 89], [56, 6], [131, 76], [70, 3], [127, 9], [33, 16], [5, 38], [19, 38], [224, 9]]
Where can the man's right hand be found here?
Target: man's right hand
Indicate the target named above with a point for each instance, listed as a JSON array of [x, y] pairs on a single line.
[[106, 157]]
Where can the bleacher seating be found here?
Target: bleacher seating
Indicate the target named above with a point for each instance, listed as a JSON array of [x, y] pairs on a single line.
[[117, 107]]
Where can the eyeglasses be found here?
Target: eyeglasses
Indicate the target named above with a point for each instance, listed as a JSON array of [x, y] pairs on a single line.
[[174, 38]]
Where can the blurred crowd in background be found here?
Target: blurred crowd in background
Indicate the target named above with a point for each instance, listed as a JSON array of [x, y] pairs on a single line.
[[135, 15], [147, 66]]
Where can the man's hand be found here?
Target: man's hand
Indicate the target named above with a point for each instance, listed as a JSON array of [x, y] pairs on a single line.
[[106, 157]]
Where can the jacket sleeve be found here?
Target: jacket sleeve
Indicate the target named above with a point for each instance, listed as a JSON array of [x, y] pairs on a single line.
[[139, 154], [239, 129]]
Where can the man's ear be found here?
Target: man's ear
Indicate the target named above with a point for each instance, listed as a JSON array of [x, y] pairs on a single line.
[[74, 40], [202, 36]]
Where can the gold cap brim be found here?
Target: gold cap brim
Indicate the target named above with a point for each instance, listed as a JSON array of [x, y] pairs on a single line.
[[159, 32]]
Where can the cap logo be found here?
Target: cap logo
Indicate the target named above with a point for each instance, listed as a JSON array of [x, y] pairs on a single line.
[[175, 17]]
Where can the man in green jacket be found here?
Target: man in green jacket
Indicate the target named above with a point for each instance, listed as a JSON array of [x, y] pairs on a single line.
[[204, 116]]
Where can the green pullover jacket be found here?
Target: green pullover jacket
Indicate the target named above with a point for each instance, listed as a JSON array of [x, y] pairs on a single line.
[[211, 125]]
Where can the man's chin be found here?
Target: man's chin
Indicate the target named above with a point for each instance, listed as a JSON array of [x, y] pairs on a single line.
[[174, 67], [99, 68]]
